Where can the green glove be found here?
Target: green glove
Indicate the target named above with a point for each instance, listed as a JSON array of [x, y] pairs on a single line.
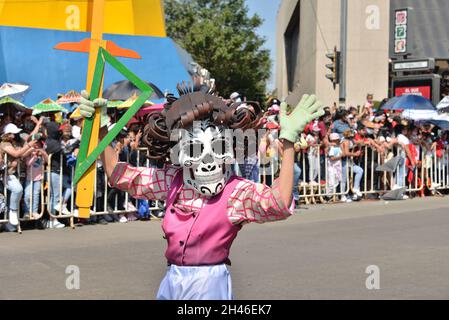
[[293, 123], [87, 108]]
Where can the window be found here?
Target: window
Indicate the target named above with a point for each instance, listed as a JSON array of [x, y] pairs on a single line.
[[291, 38]]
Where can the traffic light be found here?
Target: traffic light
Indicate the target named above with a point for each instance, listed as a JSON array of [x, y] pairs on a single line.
[[334, 66]]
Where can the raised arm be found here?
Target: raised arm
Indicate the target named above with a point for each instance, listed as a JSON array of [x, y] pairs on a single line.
[[109, 156], [36, 128], [18, 153]]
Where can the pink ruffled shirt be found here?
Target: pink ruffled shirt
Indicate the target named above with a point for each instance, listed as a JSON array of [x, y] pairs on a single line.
[[249, 202]]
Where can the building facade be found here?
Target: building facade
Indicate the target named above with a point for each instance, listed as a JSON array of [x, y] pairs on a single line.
[[309, 29], [427, 28]]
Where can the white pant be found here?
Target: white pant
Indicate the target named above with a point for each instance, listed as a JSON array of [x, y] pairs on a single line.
[[196, 283]]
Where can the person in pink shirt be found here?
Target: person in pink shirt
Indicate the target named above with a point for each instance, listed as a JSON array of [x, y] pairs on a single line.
[[207, 204], [34, 163]]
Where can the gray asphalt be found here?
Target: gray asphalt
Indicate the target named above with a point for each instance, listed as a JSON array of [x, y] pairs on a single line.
[[320, 253]]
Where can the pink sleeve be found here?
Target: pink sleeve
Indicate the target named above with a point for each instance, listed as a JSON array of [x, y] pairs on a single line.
[[256, 202], [142, 182], [30, 160]]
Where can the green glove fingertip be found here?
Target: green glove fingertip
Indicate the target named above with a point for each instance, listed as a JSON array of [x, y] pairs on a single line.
[[100, 102], [284, 107], [85, 95], [303, 99], [310, 101]]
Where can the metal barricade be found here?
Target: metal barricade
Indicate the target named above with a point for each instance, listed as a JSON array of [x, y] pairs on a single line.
[[158, 205], [315, 187], [27, 182], [5, 218], [6, 193], [311, 191], [437, 169], [58, 176], [445, 169], [30, 185]]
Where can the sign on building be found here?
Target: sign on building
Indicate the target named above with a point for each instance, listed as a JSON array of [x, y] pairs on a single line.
[[414, 65], [425, 85], [400, 31]]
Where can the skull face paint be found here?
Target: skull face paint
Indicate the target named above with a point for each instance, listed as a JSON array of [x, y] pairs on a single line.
[[206, 156]]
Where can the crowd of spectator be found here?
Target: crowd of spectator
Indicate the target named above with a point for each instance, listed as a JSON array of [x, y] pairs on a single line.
[[38, 155], [346, 141]]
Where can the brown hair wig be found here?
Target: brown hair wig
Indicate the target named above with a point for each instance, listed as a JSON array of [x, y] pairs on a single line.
[[196, 102]]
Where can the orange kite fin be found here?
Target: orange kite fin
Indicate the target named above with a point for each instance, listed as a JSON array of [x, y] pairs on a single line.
[[84, 46], [117, 51]]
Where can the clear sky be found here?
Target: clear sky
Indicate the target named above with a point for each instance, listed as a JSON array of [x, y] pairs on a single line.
[[267, 10]]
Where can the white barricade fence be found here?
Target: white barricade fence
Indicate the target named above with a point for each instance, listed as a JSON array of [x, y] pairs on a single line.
[[32, 187], [437, 169], [321, 179], [4, 218], [128, 205], [54, 184], [317, 185], [60, 183]]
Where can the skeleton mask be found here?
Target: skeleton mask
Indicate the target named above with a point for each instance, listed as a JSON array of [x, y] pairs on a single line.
[[206, 156]]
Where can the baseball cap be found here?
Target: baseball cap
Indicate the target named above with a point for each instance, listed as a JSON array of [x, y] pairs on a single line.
[[235, 95], [334, 137], [11, 128]]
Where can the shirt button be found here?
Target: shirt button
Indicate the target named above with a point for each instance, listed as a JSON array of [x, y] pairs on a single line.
[[181, 243], [172, 210]]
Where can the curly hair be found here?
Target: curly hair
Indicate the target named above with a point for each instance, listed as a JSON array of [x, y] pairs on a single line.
[[196, 102]]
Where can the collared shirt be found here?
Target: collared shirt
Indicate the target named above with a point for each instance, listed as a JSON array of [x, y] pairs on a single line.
[[249, 202]]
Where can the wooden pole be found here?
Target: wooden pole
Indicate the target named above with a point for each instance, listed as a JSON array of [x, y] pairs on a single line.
[[85, 187]]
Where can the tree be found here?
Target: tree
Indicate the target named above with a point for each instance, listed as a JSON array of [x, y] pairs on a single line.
[[221, 37]]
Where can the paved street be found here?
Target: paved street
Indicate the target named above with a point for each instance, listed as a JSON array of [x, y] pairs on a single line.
[[320, 253]]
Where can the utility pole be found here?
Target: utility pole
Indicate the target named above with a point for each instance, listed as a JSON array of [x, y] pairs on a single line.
[[343, 50]]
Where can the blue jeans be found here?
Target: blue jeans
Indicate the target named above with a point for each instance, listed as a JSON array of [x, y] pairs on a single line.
[[250, 172], [296, 177], [54, 192], [358, 174], [35, 187], [255, 174], [13, 184]]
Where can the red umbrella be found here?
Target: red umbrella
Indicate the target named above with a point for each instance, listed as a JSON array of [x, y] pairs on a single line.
[[149, 109]]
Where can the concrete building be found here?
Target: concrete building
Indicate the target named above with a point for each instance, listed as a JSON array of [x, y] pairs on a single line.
[[427, 28], [426, 38], [308, 29]]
